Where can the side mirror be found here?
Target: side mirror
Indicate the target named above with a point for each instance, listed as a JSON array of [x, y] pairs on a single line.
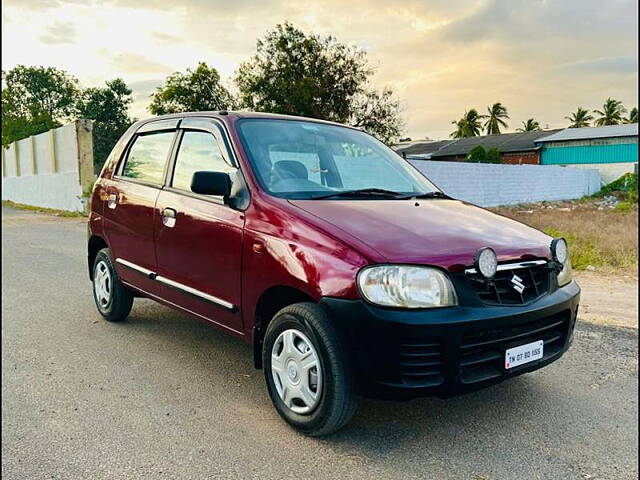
[[211, 183]]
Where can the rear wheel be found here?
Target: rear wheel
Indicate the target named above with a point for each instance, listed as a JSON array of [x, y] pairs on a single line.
[[307, 372], [112, 298]]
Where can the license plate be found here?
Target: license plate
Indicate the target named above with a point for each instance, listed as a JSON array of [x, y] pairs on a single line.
[[523, 354]]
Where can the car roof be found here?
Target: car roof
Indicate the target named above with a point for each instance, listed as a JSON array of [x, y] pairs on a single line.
[[221, 114]]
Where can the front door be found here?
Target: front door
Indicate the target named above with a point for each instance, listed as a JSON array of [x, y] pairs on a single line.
[[129, 214], [198, 237]]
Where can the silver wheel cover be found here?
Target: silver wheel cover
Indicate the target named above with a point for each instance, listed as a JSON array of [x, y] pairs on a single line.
[[296, 371], [102, 285]]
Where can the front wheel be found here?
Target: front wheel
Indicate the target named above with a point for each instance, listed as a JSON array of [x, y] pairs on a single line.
[[307, 372], [112, 298]]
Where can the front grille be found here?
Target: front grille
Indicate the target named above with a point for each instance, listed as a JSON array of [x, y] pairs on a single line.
[[482, 351], [421, 363], [503, 288]]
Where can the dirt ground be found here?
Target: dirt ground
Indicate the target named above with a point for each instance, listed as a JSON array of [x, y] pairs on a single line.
[[608, 300], [599, 236]]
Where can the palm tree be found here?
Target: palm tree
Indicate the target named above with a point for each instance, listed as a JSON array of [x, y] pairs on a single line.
[[633, 116], [611, 113], [495, 119], [530, 125], [469, 125], [460, 131], [580, 118]]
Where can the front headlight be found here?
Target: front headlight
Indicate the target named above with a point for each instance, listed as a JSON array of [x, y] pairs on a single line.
[[565, 274], [406, 286]]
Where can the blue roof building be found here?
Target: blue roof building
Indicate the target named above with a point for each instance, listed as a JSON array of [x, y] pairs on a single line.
[[613, 150]]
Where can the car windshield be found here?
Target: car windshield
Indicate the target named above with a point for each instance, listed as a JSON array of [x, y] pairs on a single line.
[[309, 160]]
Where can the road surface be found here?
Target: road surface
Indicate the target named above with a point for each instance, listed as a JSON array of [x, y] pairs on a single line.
[[164, 396]]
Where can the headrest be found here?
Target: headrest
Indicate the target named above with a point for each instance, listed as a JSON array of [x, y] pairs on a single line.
[[290, 168]]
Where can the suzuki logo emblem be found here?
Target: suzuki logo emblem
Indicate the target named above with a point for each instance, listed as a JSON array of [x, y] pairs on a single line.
[[518, 286]]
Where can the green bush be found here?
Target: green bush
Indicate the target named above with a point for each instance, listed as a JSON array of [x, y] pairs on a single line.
[[632, 194], [623, 207], [493, 156], [626, 186], [477, 155]]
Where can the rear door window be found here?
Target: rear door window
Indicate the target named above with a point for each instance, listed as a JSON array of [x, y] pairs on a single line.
[[147, 157], [199, 151]]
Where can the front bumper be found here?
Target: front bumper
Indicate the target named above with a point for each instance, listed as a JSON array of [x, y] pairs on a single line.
[[448, 351]]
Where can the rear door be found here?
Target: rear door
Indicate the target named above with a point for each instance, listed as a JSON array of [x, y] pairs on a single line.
[[129, 213], [198, 237]]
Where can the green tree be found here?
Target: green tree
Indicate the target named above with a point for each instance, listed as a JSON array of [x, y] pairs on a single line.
[[530, 125], [495, 119], [580, 118], [477, 155], [108, 107], [35, 99], [611, 114], [15, 127], [469, 125], [493, 155], [633, 116], [308, 75], [377, 113], [193, 91]]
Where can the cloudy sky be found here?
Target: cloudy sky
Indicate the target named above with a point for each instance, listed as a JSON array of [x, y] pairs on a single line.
[[541, 58]]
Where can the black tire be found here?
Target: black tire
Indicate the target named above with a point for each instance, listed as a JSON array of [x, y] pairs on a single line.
[[337, 401], [118, 306]]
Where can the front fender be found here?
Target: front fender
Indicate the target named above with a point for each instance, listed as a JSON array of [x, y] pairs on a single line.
[[313, 266]]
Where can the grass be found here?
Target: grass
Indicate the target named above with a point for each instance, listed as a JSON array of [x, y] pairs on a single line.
[[49, 211], [624, 207], [606, 239]]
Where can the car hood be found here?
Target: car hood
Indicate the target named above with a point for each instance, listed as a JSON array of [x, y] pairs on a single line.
[[441, 232]]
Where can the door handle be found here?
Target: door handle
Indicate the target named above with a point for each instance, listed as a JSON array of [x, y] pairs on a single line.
[[112, 200], [169, 217]]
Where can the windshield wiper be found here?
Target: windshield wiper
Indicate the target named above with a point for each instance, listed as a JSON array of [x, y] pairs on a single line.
[[426, 195], [362, 192]]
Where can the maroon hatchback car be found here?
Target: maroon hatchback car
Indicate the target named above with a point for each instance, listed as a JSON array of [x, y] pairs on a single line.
[[348, 271]]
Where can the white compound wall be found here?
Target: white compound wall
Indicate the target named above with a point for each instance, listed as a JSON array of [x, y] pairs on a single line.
[[496, 184], [51, 169]]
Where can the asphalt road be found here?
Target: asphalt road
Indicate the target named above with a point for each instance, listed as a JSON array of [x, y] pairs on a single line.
[[164, 396]]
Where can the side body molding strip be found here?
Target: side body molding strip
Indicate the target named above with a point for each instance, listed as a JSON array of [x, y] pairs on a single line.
[[179, 286], [146, 272], [197, 293]]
